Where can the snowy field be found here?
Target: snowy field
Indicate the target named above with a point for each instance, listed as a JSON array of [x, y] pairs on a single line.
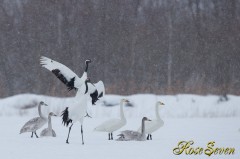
[[224, 131], [187, 117]]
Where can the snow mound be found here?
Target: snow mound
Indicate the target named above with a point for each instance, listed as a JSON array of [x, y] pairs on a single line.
[[176, 106]]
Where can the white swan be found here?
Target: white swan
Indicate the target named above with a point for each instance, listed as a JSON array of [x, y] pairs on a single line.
[[154, 125], [36, 123], [113, 124], [49, 131], [76, 111], [128, 135]]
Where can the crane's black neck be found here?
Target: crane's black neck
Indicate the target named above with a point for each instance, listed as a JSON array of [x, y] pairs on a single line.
[[86, 86], [86, 68]]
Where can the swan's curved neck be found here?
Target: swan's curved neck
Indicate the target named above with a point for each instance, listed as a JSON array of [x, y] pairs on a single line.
[[40, 111], [143, 127], [121, 111], [49, 122], [157, 111]]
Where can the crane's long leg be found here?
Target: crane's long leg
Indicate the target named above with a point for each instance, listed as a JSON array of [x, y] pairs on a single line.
[[150, 136], [69, 133], [32, 135], [111, 136], [36, 134], [82, 135]]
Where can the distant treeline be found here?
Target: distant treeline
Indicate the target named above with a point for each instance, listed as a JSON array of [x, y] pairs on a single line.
[[137, 46]]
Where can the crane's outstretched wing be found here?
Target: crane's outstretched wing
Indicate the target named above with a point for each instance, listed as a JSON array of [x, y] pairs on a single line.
[[96, 91], [93, 93], [63, 73], [100, 88]]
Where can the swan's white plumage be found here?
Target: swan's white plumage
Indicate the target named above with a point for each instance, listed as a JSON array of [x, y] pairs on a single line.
[[154, 125], [112, 125]]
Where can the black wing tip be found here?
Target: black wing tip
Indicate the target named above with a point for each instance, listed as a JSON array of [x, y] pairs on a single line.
[[94, 97], [100, 95], [69, 84]]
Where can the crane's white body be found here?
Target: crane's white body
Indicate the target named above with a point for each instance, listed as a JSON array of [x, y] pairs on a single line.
[[77, 109], [113, 124], [154, 125]]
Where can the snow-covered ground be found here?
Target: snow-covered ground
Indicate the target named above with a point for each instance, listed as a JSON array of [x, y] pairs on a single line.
[[187, 117], [224, 131]]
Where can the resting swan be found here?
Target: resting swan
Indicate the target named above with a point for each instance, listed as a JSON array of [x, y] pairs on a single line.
[[128, 135], [36, 123], [154, 125], [49, 131], [113, 124]]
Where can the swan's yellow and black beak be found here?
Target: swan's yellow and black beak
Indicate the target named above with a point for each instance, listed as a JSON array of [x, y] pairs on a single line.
[[52, 114], [125, 100], [161, 103]]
